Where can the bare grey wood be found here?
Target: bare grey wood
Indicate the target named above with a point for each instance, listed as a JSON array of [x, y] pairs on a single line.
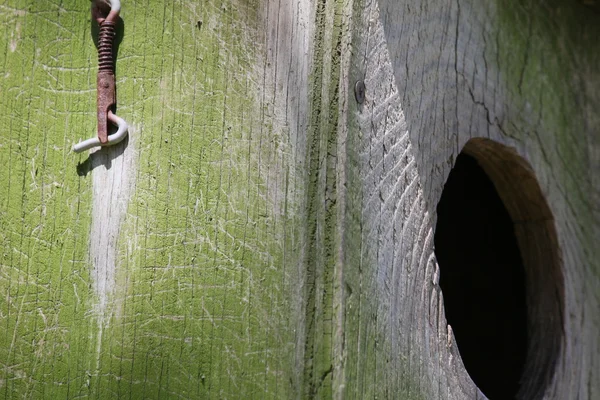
[[437, 75]]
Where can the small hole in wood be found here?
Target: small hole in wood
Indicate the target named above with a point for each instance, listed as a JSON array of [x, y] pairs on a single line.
[[500, 272]]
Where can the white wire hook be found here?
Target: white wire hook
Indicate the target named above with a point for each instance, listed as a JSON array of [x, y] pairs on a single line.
[[113, 139], [115, 7]]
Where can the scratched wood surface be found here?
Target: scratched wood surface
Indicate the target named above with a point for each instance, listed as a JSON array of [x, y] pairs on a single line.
[[438, 74], [168, 266], [260, 234]]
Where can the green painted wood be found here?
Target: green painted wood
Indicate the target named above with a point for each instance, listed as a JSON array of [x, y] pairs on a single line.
[[188, 293]]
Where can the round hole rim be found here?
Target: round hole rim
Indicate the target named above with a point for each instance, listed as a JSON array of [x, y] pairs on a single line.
[[518, 187]]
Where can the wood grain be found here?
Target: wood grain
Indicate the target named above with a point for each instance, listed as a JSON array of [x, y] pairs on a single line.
[[437, 75], [262, 235]]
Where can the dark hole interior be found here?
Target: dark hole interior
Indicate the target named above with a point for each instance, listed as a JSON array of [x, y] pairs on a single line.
[[482, 279]]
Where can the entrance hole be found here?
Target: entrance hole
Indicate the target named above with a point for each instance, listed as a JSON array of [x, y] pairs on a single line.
[[500, 274]]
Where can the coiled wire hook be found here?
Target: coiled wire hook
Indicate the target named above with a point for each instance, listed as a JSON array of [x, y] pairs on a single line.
[[106, 79]]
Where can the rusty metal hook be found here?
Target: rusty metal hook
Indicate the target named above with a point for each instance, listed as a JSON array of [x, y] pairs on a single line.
[[106, 91]]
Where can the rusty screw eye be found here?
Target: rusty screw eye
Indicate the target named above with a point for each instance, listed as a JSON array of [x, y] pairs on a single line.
[[106, 87]]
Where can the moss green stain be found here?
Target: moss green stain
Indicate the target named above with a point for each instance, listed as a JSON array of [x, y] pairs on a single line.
[[199, 310], [321, 202], [548, 55]]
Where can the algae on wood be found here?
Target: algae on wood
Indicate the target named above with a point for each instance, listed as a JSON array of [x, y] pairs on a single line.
[[262, 235]]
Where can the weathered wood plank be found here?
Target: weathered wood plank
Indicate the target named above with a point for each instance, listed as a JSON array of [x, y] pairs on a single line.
[[169, 266], [262, 235], [437, 75]]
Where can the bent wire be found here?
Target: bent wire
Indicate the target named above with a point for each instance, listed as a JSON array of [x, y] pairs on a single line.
[[106, 90], [112, 139]]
